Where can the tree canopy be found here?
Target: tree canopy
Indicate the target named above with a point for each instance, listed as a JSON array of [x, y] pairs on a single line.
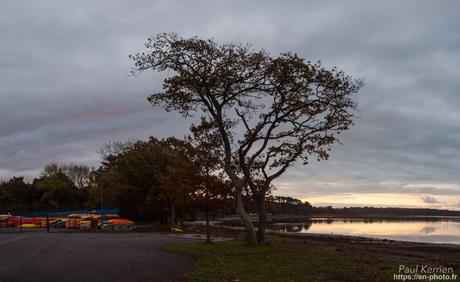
[[155, 180], [268, 112]]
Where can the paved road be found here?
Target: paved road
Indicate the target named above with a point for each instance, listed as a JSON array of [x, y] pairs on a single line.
[[90, 257]]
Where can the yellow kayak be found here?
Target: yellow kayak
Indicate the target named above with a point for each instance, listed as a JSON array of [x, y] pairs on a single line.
[[29, 225], [176, 229]]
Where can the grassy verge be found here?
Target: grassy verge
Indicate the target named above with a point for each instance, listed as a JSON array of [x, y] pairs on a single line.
[[236, 261]]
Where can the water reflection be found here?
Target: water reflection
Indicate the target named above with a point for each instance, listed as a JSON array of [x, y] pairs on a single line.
[[295, 227], [435, 230], [428, 229]]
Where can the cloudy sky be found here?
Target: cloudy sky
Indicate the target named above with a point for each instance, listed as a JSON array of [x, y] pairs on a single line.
[[65, 88]]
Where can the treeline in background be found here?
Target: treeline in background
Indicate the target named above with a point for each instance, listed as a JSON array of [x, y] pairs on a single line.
[[153, 180], [165, 180]]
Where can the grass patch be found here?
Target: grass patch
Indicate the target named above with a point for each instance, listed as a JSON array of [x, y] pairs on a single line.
[[236, 261]]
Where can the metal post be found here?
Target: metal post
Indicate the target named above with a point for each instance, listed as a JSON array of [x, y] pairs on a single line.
[[208, 234], [20, 223], [102, 207], [47, 222]]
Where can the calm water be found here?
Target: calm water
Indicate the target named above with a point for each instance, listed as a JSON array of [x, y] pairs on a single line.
[[417, 230]]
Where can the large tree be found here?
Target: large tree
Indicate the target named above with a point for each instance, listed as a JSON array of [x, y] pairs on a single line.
[[151, 180], [268, 112], [142, 179], [57, 190], [18, 196], [81, 175]]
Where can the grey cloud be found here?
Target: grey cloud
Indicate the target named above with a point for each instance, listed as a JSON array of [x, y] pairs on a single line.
[[430, 200], [65, 90], [305, 185]]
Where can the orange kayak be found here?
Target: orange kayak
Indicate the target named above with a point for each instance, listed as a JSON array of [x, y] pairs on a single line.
[[120, 221]]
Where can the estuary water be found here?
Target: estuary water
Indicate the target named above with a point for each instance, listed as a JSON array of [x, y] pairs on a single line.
[[429, 230]]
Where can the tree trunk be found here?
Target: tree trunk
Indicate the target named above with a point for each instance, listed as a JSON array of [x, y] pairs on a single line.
[[251, 237], [208, 235], [262, 218], [172, 218]]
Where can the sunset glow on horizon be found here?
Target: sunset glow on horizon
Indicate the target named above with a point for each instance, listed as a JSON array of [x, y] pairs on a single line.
[[383, 200]]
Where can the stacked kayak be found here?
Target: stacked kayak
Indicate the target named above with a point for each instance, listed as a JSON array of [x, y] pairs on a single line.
[[6, 220], [71, 221], [16, 221], [119, 224]]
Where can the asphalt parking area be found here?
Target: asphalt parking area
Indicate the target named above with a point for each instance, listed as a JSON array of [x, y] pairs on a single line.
[[91, 257]]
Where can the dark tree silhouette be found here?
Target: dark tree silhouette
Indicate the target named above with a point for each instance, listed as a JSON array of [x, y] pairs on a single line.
[[268, 112]]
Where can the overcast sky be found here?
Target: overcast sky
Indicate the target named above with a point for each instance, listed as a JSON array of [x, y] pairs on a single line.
[[65, 88]]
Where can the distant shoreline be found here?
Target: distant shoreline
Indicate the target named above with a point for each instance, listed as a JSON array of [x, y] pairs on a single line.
[[312, 217]]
